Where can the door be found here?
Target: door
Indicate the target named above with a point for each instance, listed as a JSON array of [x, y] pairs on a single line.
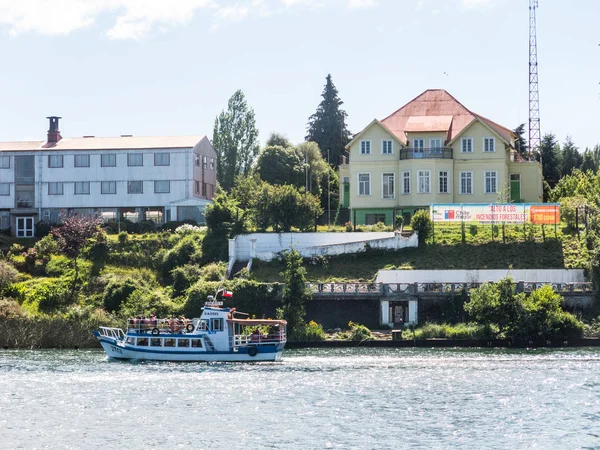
[[515, 188], [398, 312], [418, 146], [25, 227], [435, 146]]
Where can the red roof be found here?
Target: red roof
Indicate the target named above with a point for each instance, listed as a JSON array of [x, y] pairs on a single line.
[[438, 103]]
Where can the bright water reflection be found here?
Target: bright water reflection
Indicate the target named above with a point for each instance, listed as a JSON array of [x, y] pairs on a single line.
[[342, 398]]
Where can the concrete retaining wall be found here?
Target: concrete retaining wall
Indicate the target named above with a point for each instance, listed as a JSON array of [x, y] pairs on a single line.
[[481, 276]]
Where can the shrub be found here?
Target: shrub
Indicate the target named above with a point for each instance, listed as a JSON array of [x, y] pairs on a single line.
[[123, 238], [348, 226], [173, 225], [8, 275], [380, 226], [313, 332], [422, 225], [214, 271], [569, 207], [187, 228], [117, 292], [179, 256], [359, 332], [58, 265], [10, 309], [473, 229], [399, 220], [184, 277], [48, 294], [42, 228], [46, 247]]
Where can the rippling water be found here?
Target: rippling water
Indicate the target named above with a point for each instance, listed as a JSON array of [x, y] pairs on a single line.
[[338, 398]]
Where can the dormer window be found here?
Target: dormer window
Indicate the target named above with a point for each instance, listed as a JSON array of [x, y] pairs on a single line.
[[365, 147]]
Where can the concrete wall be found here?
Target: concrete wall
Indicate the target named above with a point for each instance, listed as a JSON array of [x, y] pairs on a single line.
[[268, 245], [480, 276]]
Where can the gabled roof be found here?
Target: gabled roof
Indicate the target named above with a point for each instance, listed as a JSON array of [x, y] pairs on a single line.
[[439, 103], [106, 143], [364, 130]]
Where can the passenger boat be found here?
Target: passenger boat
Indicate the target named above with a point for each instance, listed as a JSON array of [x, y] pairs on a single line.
[[220, 334]]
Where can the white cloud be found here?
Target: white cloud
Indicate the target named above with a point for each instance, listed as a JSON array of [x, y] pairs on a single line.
[[134, 19], [354, 4]]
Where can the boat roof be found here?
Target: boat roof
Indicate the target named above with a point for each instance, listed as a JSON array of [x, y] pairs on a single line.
[[257, 321]]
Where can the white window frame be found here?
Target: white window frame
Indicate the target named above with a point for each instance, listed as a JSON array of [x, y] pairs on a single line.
[[86, 160], [363, 148], [460, 180], [108, 187], [435, 145], [56, 164], [447, 176], [81, 184], [59, 188], [5, 186], [25, 227], [405, 176], [157, 183], [129, 183], [108, 156], [130, 157], [387, 147], [366, 194], [462, 144], [5, 162], [485, 145], [212, 164], [383, 185], [485, 180], [423, 173]]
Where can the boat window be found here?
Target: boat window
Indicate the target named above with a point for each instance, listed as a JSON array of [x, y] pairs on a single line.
[[196, 343], [217, 324], [183, 343], [155, 342], [130, 340], [204, 325], [169, 342], [143, 342]]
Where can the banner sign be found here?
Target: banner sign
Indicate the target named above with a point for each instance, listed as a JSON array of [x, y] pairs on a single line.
[[507, 213]]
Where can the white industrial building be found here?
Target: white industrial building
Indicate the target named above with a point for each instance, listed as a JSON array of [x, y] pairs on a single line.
[[127, 178]]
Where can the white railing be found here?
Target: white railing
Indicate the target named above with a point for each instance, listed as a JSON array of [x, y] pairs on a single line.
[[243, 340], [115, 333], [162, 325]]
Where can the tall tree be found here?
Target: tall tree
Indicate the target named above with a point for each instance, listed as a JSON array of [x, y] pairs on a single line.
[[551, 159], [315, 166], [279, 165], [278, 139], [520, 142], [588, 161], [571, 158], [235, 139], [295, 294], [327, 126]]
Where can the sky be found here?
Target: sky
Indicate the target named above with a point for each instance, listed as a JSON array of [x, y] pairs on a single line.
[[168, 67]]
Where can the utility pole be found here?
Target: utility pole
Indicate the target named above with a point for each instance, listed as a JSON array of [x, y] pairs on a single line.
[[534, 95], [328, 192]]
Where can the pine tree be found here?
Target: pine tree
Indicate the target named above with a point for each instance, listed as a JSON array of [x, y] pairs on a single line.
[[571, 158], [551, 159], [295, 294], [520, 142], [588, 162], [235, 139], [327, 126]]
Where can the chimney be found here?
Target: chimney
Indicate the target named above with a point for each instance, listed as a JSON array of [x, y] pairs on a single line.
[[53, 132]]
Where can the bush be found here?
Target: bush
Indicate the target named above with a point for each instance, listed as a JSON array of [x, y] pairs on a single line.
[[359, 332], [49, 294], [422, 225], [348, 226], [46, 247], [117, 292], [173, 225], [58, 265], [8, 275], [179, 256], [184, 277], [313, 332], [42, 228], [10, 309], [569, 206], [214, 271], [186, 229], [399, 220], [123, 238], [473, 229]]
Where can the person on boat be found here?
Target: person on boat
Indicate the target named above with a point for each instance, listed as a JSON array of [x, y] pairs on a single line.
[[152, 320], [255, 336]]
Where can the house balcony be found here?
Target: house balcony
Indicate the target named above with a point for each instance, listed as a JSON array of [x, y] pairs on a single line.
[[426, 153]]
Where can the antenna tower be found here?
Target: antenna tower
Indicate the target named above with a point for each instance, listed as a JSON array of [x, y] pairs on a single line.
[[534, 94]]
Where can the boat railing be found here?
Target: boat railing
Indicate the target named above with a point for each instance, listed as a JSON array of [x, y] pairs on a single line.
[[162, 325], [243, 340], [115, 333]]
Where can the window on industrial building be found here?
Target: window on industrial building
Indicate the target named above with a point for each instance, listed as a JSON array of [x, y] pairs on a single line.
[[197, 160], [135, 187], [82, 160], [109, 160], [204, 162], [424, 181], [386, 147], [365, 147], [55, 188], [196, 187], [466, 145], [108, 187], [443, 181], [55, 161], [364, 184], [82, 187], [162, 187], [489, 144], [388, 189], [491, 183], [162, 159], [466, 183], [135, 159], [4, 188], [212, 164], [406, 182], [4, 162]]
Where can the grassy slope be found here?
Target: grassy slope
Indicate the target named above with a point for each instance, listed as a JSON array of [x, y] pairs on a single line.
[[565, 251]]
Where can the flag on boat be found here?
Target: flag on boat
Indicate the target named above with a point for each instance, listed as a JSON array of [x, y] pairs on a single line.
[[227, 294]]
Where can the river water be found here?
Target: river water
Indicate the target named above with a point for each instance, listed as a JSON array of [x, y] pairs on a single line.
[[319, 398]]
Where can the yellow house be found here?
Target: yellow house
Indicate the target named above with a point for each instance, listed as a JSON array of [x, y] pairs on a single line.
[[433, 150]]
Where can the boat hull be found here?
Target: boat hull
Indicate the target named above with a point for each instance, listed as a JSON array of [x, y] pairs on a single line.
[[117, 350]]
